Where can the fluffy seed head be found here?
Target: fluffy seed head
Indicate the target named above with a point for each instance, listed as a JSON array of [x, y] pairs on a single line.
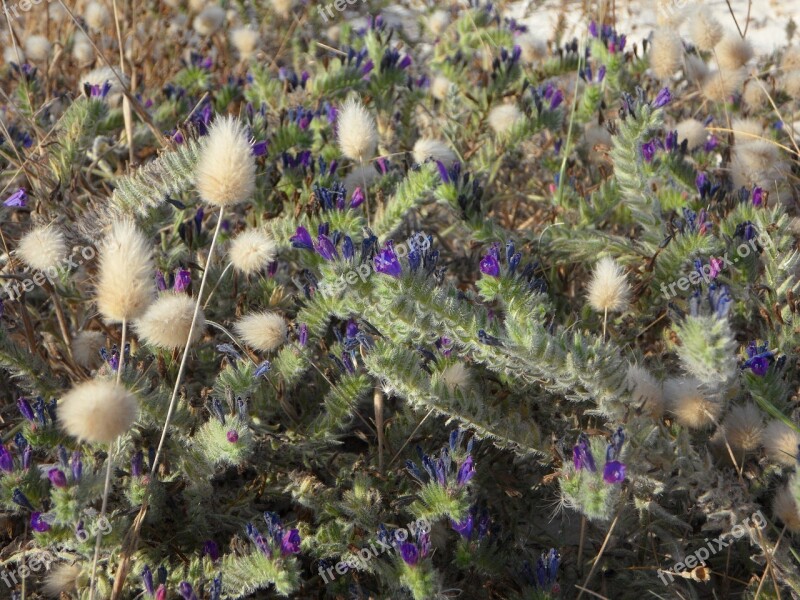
[[245, 40], [356, 131], [746, 131], [360, 175], [457, 376], [689, 404], [97, 411], [42, 248], [646, 392], [744, 427], [282, 7], [696, 69], [125, 285], [791, 83], [784, 507], [791, 59], [666, 53], [37, 48], [704, 30], [426, 148], [733, 52], [781, 443], [61, 578], [721, 85], [533, 49], [96, 15], [252, 250], [504, 117], [438, 21], [209, 21], [608, 289], [757, 163], [86, 347], [264, 331], [693, 131], [440, 87], [10, 54], [167, 321], [82, 52], [226, 169], [753, 95]]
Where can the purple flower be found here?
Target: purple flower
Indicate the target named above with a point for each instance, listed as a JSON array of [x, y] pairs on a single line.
[[147, 579], [290, 542], [357, 199], [259, 148], [6, 460], [490, 266], [649, 151], [715, 267], [183, 279], [703, 184], [614, 472], [161, 283], [302, 336], [556, 99], [759, 359], [186, 591], [27, 454], [464, 528], [593, 29], [77, 466], [57, 478], [582, 455], [25, 409], [211, 550], [758, 196], [671, 141], [465, 472], [386, 261], [601, 73], [712, 143], [662, 99], [17, 200], [233, 436], [302, 239], [348, 249], [409, 553], [137, 463], [38, 523], [325, 248]]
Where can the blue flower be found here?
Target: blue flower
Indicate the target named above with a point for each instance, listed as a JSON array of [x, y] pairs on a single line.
[[57, 478], [77, 466], [17, 200], [614, 472], [262, 369], [211, 549], [464, 528], [582, 455], [25, 409], [386, 261], [6, 460], [662, 99], [290, 542], [490, 266], [326, 248], [465, 472], [358, 197], [38, 523], [302, 239], [186, 591], [758, 359], [147, 579], [649, 151], [183, 279], [409, 553]]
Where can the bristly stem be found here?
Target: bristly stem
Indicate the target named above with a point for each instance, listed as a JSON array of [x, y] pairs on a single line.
[[182, 368], [377, 400], [109, 463]]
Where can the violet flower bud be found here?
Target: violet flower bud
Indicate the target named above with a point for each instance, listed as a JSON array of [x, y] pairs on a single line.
[[57, 478]]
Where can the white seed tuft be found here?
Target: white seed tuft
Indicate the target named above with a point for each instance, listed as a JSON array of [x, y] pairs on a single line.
[[356, 131], [252, 250], [125, 286], [264, 331], [704, 30], [781, 443], [690, 405], [96, 15], [785, 509], [693, 131], [86, 347], [666, 53], [744, 426], [733, 52], [426, 148], [43, 248], [97, 411], [37, 48], [167, 321], [245, 40], [646, 392], [608, 289], [226, 169], [457, 376], [504, 117], [210, 20]]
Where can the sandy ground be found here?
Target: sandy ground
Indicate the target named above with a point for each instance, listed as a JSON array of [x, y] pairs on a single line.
[[766, 30]]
